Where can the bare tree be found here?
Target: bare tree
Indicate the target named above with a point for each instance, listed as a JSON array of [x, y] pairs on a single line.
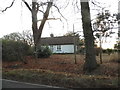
[[26, 37], [37, 30], [15, 36], [90, 60], [34, 9], [103, 26]]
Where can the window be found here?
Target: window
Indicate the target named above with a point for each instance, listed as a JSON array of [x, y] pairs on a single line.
[[51, 48], [58, 47]]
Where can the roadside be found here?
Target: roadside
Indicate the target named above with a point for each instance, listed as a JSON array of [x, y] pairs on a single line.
[[61, 79], [15, 84]]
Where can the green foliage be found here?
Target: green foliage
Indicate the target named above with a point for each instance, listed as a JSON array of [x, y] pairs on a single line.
[[44, 52], [117, 46], [109, 51], [81, 42], [30, 51], [14, 50], [104, 51]]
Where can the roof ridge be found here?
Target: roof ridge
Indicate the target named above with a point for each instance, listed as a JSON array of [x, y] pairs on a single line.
[[58, 40]]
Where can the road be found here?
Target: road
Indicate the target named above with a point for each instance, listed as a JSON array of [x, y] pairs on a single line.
[[16, 84]]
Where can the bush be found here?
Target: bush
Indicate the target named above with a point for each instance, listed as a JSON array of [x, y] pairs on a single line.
[[104, 51], [31, 51], [14, 50], [44, 52], [109, 51]]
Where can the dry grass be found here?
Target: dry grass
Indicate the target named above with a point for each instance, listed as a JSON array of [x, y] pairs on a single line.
[[115, 57], [109, 58], [64, 63], [60, 70]]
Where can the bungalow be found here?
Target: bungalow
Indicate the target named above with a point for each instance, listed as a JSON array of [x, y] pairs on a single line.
[[63, 44]]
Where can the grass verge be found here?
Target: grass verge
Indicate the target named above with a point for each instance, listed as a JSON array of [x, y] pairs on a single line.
[[61, 79], [115, 58]]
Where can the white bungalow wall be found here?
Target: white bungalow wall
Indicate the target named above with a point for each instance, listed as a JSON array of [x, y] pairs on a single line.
[[64, 48]]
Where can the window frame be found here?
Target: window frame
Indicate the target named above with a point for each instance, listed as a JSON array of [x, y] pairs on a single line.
[[59, 48]]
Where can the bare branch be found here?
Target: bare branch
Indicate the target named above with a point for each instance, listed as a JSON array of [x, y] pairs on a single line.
[[96, 4], [61, 15], [62, 23], [59, 12], [9, 6], [57, 18], [41, 11], [45, 17], [67, 4], [52, 14], [49, 19], [43, 8], [27, 5], [41, 4], [77, 5]]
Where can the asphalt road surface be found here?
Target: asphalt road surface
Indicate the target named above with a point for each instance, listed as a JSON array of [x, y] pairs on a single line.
[[16, 84]]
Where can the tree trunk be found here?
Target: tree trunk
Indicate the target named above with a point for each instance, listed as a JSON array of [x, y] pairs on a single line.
[[90, 59], [100, 49], [45, 17], [37, 32], [34, 23]]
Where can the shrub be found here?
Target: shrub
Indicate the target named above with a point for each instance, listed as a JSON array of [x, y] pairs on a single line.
[[104, 51], [44, 52], [14, 50], [109, 51], [30, 51]]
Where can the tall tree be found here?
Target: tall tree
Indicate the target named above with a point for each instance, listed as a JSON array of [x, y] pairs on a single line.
[[103, 26], [90, 59], [34, 9], [37, 30]]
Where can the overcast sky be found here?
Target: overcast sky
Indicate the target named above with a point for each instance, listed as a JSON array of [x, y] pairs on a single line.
[[18, 18]]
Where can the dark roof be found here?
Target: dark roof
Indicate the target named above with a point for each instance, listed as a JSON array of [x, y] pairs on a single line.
[[57, 40]]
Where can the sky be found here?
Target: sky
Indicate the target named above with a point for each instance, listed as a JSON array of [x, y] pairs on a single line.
[[18, 18]]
